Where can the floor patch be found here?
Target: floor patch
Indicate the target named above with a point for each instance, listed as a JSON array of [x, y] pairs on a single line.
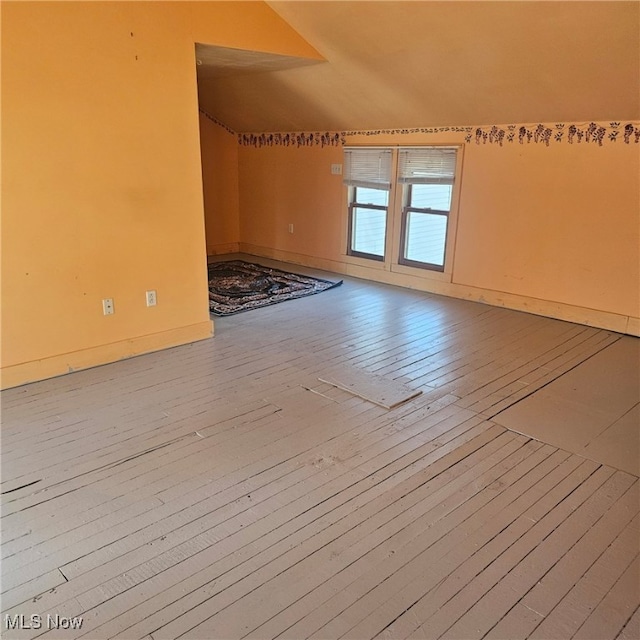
[[592, 410], [380, 390]]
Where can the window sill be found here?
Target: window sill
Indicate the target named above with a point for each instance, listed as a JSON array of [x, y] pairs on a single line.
[[416, 272], [380, 265], [429, 274]]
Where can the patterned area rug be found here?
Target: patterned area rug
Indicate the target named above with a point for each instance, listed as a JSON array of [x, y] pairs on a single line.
[[236, 286]]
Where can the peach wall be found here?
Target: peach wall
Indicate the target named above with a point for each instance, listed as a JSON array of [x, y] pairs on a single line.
[[102, 177], [281, 186], [550, 228], [559, 223], [220, 184]]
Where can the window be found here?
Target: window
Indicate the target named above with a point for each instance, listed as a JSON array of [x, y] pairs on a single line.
[[427, 174], [368, 211], [410, 189], [367, 173]]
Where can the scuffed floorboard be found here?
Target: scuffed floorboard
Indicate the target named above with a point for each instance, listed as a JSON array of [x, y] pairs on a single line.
[[220, 490]]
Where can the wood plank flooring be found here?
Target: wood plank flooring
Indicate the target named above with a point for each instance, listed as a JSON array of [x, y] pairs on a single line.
[[221, 490]]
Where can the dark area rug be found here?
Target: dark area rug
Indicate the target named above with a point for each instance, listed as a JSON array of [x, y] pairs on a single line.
[[236, 286]]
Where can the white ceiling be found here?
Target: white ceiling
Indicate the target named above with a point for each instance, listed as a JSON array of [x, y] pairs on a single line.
[[414, 63]]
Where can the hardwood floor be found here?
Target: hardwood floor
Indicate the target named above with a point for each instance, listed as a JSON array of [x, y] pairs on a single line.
[[220, 490]]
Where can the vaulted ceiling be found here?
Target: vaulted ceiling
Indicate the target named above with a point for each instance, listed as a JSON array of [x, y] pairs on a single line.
[[414, 63]]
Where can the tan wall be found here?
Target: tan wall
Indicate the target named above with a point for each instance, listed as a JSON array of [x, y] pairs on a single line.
[[559, 223], [220, 184], [281, 186], [102, 187], [552, 229]]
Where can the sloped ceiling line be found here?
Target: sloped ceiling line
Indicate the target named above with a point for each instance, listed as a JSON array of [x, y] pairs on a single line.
[[217, 122]]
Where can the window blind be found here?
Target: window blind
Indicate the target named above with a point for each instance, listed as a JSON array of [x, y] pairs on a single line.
[[369, 168], [426, 165]]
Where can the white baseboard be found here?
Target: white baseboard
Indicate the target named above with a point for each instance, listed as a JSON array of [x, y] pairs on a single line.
[[19, 374], [558, 310]]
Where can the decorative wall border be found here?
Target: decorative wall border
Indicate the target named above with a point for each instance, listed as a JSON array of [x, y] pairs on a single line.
[[291, 139], [393, 132], [217, 122], [542, 134], [545, 134], [329, 138]]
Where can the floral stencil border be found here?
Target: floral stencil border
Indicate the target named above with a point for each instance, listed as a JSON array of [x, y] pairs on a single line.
[[408, 131], [291, 139], [545, 134], [217, 122], [542, 134]]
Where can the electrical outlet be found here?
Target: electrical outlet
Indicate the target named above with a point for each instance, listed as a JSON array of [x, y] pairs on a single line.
[[152, 299], [336, 169], [290, 227], [107, 307]]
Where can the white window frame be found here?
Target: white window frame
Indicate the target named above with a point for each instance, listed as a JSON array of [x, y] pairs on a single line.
[[392, 261], [353, 205], [367, 168], [424, 166]]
